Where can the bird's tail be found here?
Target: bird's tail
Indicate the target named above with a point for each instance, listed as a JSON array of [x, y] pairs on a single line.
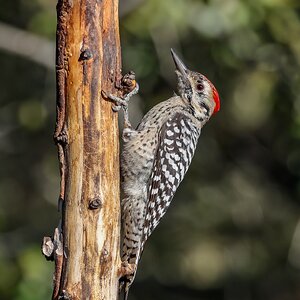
[[126, 290], [125, 284]]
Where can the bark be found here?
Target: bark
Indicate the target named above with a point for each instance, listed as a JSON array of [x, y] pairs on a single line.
[[86, 245]]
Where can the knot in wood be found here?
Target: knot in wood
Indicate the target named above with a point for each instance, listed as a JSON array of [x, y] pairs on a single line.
[[128, 82], [61, 138], [95, 203], [104, 255], [85, 55]]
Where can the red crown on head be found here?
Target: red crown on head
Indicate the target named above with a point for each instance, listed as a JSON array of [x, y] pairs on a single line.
[[216, 99], [215, 96]]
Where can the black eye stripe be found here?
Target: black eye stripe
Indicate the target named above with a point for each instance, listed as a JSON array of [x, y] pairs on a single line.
[[206, 107]]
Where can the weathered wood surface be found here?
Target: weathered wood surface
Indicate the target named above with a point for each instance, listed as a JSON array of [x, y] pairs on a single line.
[[88, 61]]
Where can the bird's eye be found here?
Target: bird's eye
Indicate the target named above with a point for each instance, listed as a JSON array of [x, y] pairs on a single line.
[[200, 87]]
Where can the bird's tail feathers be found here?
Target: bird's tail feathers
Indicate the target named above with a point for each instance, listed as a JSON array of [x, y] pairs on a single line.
[[125, 284]]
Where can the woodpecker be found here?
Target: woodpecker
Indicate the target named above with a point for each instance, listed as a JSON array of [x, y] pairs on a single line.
[[156, 156]]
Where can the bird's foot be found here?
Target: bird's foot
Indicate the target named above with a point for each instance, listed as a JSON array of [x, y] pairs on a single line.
[[118, 101], [128, 88], [126, 269]]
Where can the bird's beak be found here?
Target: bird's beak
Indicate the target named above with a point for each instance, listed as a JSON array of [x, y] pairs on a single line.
[[180, 66]]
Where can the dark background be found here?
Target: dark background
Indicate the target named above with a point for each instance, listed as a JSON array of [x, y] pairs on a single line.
[[233, 230]]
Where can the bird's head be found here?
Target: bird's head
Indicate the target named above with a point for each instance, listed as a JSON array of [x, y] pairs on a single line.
[[196, 90]]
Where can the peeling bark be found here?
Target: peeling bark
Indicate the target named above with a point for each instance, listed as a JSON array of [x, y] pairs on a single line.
[[87, 62]]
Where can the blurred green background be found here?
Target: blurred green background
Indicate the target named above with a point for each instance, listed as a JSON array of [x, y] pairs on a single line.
[[233, 230]]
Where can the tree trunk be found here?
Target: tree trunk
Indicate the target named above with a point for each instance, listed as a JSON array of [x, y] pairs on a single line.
[[85, 246]]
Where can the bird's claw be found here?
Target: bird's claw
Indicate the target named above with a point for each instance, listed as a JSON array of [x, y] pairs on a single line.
[[116, 108], [127, 89], [127, 269], [119, 102]]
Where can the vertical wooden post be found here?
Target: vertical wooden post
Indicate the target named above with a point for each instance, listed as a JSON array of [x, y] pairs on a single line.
[[86, 245]]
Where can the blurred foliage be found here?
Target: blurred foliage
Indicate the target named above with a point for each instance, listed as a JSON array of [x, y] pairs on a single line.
[[233, 231]]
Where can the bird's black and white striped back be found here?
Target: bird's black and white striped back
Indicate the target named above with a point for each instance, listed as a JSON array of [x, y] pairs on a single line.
[[177, 143]]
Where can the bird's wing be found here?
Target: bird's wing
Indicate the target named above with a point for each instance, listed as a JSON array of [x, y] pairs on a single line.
[[177, 143]]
